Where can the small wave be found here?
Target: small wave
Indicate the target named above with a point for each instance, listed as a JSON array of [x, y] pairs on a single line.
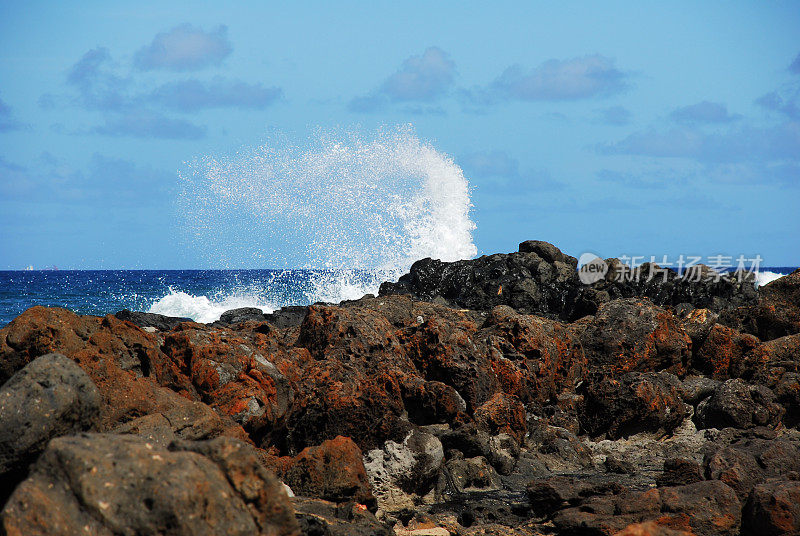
[[202, 308], [764, 277]]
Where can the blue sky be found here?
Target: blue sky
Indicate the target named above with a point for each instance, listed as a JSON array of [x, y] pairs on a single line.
[[644, 128]]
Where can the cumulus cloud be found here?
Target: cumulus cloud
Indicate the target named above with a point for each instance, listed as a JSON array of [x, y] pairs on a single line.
[[98, 86], [7, 121], [420, 79], [703, 112], [147, 124], [191, 95], [554, 80], [747, 143], [785, 104], [185, 48]]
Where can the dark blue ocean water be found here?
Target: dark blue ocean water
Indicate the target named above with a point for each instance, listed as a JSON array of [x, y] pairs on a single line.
[[199, 294]]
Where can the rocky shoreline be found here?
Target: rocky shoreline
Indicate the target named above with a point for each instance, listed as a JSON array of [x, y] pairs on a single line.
[[493, 396]]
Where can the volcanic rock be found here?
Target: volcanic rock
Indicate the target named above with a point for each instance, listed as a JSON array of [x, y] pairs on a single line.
[[129, 486]]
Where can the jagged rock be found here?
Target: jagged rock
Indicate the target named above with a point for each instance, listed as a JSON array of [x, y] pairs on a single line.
[[151, 320], [333, 471], [635, 335], [124, 362], [679, 472], [400, 471], [542, 280], [724, 353], [776, 314], [502, 414], [129, 486], [534, 358], [229, 373], [703, 508], [466, 475], [746, 462], [772, 509], [50, 397], [737, 404], [242, 314], [631, 403]]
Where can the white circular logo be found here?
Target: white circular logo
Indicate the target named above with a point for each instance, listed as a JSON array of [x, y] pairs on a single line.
[[591, 268]]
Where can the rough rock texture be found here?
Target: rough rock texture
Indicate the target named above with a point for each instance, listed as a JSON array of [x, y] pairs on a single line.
[[124, 362], [773, 508], [333, 471], [635, 335], [49, 397], [400, 471], [737, 404], [657, 406], [776, 314], [540, 279], [631, 403], [110, 484], [150, 320]]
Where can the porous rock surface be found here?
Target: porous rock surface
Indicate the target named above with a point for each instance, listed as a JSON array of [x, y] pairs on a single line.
[[494, 396]]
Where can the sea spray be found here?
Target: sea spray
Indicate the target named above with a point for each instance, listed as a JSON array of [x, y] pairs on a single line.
[[355, 208]]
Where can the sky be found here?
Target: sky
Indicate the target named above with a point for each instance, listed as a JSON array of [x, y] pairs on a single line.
[[646, 128]]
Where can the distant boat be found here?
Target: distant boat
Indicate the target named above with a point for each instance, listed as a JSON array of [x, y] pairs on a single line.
[[29, 268]]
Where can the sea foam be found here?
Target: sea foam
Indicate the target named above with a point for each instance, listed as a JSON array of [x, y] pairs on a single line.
[[360, 208]]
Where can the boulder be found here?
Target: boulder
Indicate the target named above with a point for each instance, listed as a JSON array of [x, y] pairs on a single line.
[[129, 486], [703, 509], [740, 405], [333, 471], [399, 472], [726, 353], [635, 335], [679, 472], [462, 476], [151, 320], [50, 397], [631, 403], [772, 509]]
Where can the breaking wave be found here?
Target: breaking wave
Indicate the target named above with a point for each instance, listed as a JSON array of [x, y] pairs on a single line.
[[358, 209]]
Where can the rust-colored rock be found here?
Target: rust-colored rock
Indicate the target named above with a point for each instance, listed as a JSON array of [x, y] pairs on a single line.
[[333, 471], [726, 353], [502, 414], [635, 335], [773, 509]]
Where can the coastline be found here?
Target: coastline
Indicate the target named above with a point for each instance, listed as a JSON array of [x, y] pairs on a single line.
[[499, 395]]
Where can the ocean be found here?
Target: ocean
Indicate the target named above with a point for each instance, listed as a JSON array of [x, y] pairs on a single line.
[[202, 295]]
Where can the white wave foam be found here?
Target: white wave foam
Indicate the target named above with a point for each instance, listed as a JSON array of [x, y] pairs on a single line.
[[201, 308], [343, 202], [765, 277]]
